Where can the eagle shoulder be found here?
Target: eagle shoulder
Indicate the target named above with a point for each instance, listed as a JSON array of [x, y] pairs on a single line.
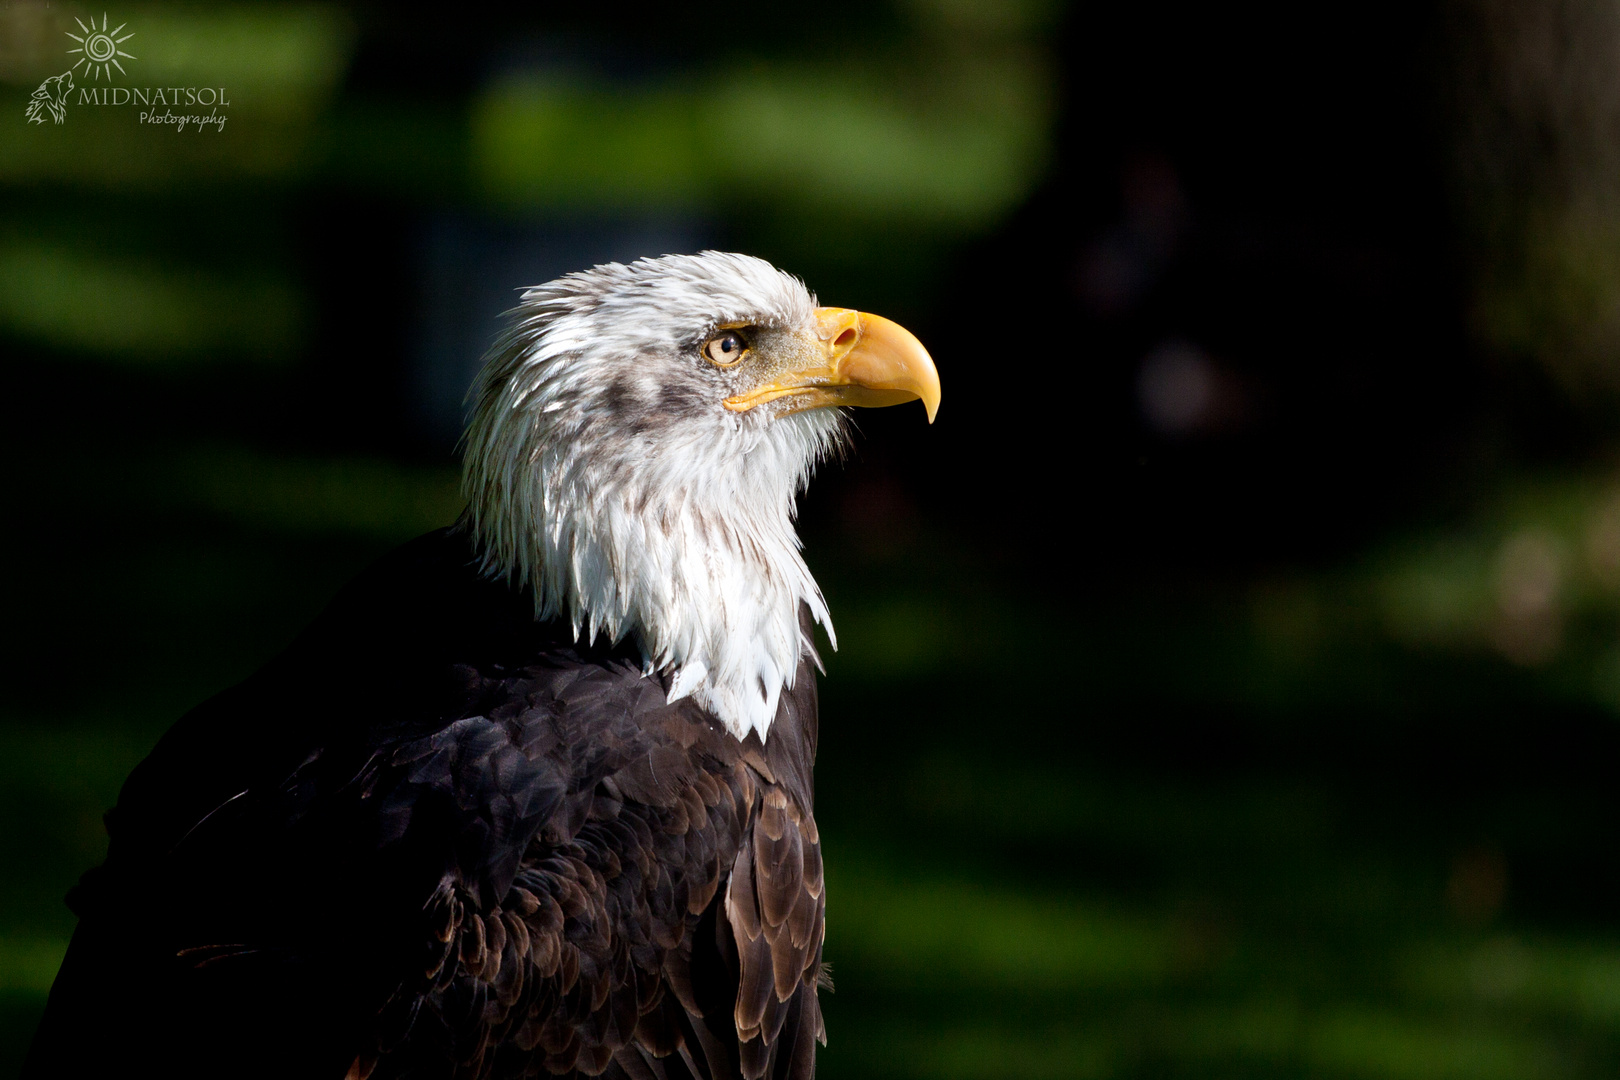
[[436, 835], [670, 904]]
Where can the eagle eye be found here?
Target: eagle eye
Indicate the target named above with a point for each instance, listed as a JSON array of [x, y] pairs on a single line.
[[725, 348]]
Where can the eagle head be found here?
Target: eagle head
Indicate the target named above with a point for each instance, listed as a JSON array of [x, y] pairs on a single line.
[[639, 437]]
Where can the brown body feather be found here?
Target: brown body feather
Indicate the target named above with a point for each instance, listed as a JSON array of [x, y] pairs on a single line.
[[438, 839]]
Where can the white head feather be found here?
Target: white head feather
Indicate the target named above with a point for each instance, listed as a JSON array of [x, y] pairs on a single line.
[[603, 471]]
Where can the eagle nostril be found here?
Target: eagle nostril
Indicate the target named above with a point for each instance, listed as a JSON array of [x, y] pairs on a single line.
[[845, 341]]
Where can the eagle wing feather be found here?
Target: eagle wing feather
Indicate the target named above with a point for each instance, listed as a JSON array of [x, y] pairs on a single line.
[[506, 853]]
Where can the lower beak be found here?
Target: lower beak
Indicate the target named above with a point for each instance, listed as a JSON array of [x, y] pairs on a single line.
[[857, 359]]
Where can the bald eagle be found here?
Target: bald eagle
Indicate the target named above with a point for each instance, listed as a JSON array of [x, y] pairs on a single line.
[[533, 796]]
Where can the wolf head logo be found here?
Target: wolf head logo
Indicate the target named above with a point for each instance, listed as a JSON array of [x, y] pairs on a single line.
[[51, 97]]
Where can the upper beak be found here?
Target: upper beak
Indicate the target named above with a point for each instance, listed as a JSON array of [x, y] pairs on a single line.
[[856, 359]]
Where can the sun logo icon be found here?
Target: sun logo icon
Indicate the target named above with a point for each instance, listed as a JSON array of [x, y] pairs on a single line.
[[100, 48]]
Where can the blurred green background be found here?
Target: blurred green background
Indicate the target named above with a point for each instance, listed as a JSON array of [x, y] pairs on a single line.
[[1230, 679]]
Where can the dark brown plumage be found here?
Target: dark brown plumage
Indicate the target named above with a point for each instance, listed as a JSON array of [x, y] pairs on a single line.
[[438, 838]]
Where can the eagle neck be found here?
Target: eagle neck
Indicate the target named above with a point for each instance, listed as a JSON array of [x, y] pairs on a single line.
[[696, 561]]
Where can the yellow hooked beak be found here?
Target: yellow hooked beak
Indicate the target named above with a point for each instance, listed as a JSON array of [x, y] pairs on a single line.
[[856, 359]]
